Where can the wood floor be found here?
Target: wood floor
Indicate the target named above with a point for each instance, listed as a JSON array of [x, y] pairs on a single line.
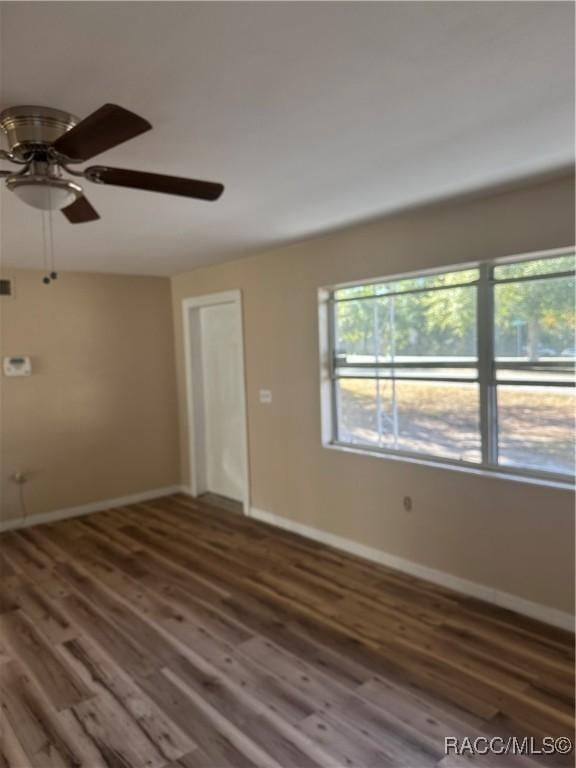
[[176, 634]]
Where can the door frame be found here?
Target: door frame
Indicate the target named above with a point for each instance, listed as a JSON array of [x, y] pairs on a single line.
[[194, 401]]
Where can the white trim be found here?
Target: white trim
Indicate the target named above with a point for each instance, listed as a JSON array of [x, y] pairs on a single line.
[[196, 302], [87, 509], [210, 299], [502, 599], [326, 344]]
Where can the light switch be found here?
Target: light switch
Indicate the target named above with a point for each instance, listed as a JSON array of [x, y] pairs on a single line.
[[265, 396]]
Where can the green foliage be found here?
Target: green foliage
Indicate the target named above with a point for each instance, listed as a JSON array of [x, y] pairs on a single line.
[[534, 267], [427, 323], [533, 318]]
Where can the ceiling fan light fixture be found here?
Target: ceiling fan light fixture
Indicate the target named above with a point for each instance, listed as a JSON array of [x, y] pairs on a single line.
[[45, 193]]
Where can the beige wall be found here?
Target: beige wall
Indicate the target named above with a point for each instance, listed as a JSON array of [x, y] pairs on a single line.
[[97, 419], [511, 536]]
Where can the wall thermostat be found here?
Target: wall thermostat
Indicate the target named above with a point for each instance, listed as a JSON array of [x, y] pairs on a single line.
[[17, 366]]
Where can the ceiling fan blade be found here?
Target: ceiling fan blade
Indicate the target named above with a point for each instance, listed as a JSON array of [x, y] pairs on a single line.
[[80, 212], [155, 182], [106, 128]]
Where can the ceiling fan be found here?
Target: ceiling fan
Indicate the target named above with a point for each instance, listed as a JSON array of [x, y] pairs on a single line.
[[46, 142]]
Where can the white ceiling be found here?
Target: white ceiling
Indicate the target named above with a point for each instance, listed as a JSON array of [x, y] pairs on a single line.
[[312, 114]]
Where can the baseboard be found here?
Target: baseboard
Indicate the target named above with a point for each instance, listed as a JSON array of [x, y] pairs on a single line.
[[87, 509], [502, 599]]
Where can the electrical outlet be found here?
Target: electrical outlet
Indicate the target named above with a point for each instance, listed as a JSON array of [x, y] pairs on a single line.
[[407, 502]]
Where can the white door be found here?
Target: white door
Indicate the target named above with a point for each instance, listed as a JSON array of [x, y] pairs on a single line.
[[223, 390]]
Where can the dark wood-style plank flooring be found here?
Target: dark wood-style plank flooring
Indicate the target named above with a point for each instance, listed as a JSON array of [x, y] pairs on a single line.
[[176, 634]]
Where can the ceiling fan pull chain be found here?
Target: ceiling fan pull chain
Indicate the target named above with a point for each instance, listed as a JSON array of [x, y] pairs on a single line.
[[52, 264], [45, 279]]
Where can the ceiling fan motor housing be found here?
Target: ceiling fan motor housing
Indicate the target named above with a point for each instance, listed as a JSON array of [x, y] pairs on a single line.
[[31, 129]]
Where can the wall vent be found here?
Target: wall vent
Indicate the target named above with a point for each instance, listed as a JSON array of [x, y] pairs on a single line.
[[5, 287]]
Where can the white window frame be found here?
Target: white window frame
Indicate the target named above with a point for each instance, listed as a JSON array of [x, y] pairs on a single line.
[[487, 382]]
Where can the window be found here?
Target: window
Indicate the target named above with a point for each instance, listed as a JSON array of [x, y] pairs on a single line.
[[474, 366]]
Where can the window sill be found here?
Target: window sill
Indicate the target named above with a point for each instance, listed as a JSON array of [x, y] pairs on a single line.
[[472, 469]]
